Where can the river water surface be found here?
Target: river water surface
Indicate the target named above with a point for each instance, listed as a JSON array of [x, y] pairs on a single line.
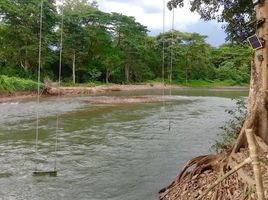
[[106, 152]]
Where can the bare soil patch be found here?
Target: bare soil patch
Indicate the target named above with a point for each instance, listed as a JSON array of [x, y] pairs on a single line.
[[16, 96]]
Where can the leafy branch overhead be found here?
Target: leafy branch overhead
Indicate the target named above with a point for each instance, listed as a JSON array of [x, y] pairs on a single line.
[[236, 16]]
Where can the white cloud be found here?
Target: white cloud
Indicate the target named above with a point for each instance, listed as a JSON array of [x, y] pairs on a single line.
[[150, 13]]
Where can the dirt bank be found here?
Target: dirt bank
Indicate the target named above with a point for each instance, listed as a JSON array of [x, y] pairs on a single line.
[[73, 91], [69, 91], [16, 96], [103, 89]]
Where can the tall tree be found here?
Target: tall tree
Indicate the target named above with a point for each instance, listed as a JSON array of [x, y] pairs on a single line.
[[129, 36], [232, 62], [190, 52], [21, 21], [112, 60], [75, 45]]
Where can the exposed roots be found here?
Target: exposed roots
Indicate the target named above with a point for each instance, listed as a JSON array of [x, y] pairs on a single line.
[[200, 172]]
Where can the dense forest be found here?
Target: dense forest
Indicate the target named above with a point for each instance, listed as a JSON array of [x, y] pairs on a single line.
[[108, 47]]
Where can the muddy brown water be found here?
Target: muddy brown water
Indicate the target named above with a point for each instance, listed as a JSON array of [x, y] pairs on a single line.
[[107, 152]]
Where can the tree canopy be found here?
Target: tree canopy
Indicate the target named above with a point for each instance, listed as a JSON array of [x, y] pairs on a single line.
[[109, 47], [237, 16]]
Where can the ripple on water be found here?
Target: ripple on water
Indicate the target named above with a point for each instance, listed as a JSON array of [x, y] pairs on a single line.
[[104, 152]]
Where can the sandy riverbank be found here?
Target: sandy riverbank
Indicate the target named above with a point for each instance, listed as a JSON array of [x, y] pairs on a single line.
[[105, 88], [17, 96], [73, 91], [69, 91]]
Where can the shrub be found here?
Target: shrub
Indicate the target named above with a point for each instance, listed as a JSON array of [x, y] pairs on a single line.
[[231, 128], [12, 84]]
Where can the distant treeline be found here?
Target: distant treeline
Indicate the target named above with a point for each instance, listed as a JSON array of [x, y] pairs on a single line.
[[108, 47]]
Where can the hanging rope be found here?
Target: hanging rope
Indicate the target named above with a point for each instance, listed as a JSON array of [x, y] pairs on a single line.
[[171, 58], [172, 43], [38, 82], [163, 50], [163, 59], [38, 91], [59, 84]]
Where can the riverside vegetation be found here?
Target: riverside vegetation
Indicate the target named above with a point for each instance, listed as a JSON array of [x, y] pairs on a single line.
[[231, 128], [109, 47]]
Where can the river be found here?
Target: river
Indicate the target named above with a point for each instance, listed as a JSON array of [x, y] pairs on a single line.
[[106, 152]]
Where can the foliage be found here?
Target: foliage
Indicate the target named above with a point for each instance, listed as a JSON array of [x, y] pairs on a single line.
[[232, 62], [12, 84], [231, 128], [236, 15], [208, 83], [89, 84], [109, 47], [20, 32]]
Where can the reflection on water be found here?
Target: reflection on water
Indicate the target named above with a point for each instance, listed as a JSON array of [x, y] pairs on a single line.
[[115, 152]]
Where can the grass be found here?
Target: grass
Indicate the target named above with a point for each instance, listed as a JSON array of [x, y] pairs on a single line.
[[191, 83], [89, 84], [203, 83], [13, 84]]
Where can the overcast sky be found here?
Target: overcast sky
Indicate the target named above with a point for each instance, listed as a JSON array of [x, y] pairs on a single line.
[[150, 14]]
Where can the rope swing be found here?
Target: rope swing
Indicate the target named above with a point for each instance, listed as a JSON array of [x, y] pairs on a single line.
[[38, 83], [163, 48], [54, 172], [163, 59], [172, 43], [171, 57], [59, 85]]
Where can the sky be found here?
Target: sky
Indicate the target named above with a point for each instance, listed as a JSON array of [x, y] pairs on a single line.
[[150, 14]]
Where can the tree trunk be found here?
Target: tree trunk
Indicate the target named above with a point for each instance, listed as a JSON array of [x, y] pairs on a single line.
[[127, 73], [107, 76], [74, 68], [186, 74], [119, 39], [258, 99], [25, 64]]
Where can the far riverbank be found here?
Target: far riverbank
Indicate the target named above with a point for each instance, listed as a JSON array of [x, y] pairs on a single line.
[[94, 90]]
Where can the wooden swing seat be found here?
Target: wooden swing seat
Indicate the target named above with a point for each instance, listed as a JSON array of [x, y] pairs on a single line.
[[45, 173]]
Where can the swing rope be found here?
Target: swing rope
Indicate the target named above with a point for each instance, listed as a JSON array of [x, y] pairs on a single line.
[[38, 82], [172, 43], [59, 84], [163, 48], [163, 60], [171, 58]]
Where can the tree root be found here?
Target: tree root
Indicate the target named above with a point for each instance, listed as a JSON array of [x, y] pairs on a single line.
[[202, 164], [191, 184]]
